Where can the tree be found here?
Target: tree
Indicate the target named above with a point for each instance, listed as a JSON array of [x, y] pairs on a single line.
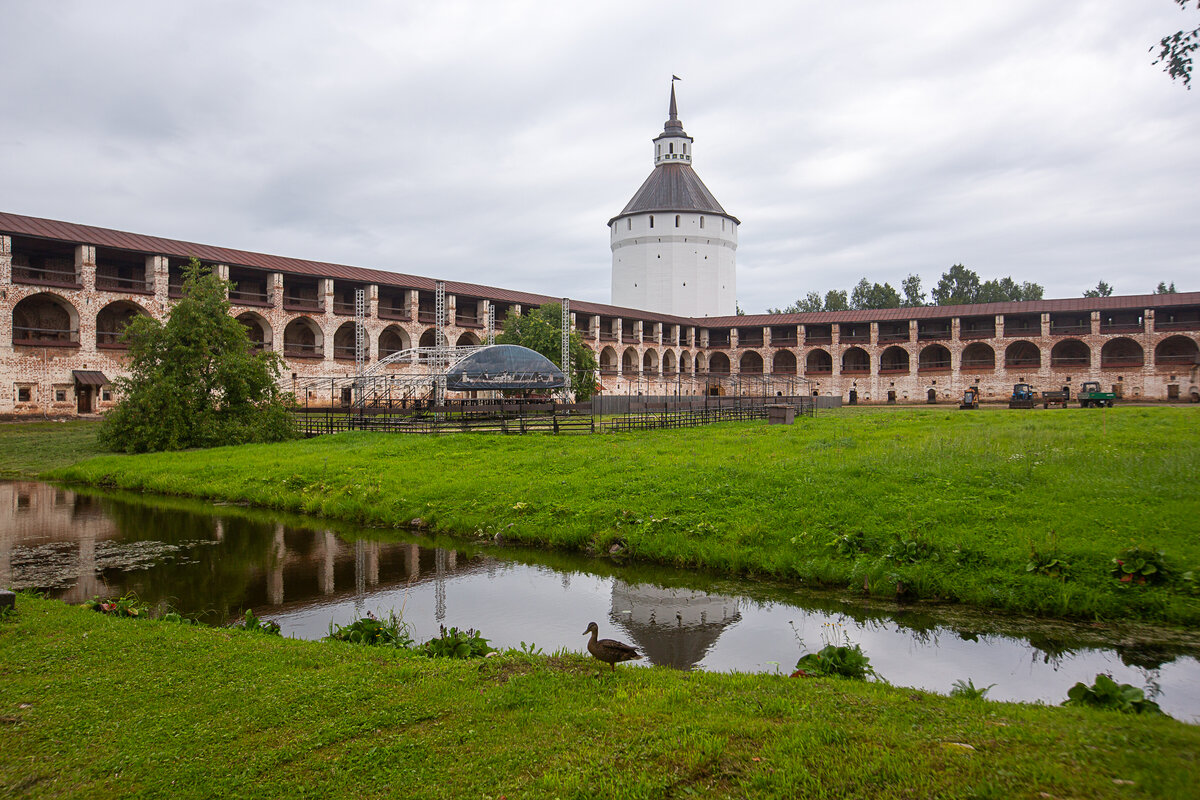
[[810, 302], [835, 300], [1175, 51], [913, 295], [193, 380], [867, 295], [957, 286], [1102, 290], [541, 331], [1164, 289]]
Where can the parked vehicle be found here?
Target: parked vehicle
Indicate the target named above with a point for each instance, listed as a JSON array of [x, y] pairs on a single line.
[[970, 398], [1090, 396], [1059, 398], [1022, 396]]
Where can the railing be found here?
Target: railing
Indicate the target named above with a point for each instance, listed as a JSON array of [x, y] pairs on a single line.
[[783, 370], [607, 337], [391, 312], [429, 317], [467, 321], [175, 290], [347, 353], [46, 277], [757, 370], [1121, 361], [344, 309], [809, 340], [894, 337], [628, 338], [719, 345], [54, 337], [1011, 331], [854, 338], [856, 369], [1163, 325], [110, 340], [758, 342], [297, 350], [977, 333], [1023, 362], [1070, 330], [894, 369], [934, 366], [978, 364], [608, 370], [115, 283], [819, 369], [784, 341], [1177, 358], [1123, 327], [1061, 362], [248, 298], [926, 335], [302, 304]]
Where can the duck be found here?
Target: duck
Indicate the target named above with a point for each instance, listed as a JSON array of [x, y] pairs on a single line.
[[609, 651]]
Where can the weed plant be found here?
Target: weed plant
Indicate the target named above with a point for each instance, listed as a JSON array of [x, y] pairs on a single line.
[[372, 631], [969, 691], [1108, 694], [924, 503], [256, 624]]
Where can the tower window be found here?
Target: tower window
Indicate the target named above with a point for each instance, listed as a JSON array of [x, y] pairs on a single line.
[[629, 226], [676, 220], [671, 148], [651, 220], [702, 223]]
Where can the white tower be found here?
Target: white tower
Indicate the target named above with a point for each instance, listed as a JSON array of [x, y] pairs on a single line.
[[673, 245]]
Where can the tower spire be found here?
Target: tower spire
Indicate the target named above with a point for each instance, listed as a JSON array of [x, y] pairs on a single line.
[[673, 124]]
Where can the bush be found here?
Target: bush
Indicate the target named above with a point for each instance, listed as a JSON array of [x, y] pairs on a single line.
[[1107, 693], [454, 643], [372, 631], [847, 661]]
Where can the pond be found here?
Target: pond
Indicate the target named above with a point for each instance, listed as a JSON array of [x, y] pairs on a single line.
[[213, 562]]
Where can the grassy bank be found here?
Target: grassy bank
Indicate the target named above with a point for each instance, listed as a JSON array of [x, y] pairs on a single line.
[[92, 706], [927, 503], [29, 448]]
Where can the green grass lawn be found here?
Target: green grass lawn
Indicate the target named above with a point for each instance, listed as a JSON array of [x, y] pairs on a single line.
[[28, 448], [92, 706], [930, 503]]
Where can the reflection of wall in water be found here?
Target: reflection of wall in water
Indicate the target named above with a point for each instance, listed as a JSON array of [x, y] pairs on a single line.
[[675, 627], [37, 514]]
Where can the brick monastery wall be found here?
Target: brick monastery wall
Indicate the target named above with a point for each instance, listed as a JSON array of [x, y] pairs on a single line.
[[1146, 359]]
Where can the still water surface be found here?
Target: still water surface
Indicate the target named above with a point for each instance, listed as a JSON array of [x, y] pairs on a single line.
[[215, 561]]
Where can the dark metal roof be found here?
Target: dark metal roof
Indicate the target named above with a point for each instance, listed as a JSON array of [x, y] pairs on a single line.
[[673, 187], [1067, 305], [89, 377]]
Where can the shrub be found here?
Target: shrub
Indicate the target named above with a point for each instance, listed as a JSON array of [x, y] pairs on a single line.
[[370, 630], [1107, 693], [1139, 565], [847, 661], [454, 643], [249, 622]]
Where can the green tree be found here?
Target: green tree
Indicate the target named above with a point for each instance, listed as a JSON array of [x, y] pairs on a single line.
[[957, 286], [836, 300], [810, 302], [1163, 288], [914, 296], [867, 295], [1102, 290], [193, 380], [541, 330], [1175, 51]]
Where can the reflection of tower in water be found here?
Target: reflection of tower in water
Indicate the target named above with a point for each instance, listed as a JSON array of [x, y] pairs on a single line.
[[672, 627]]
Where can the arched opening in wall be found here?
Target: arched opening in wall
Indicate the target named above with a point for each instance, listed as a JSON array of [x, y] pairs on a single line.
[[344, 345], [258, 330], [302, 338], [668, 363], [1177, 352], [1071, 355], [429, 340], [783, 363], [978, 357], [1022, 355], [650, 362], [894, 360], [629, 362], [45, 320], [608, 361], [818, 362], [931, 396], [1121, 352], [651, 220], [934, 358], [750, 363], [111, 322], [685, 363], [855, 361], [392, 340], [468, 339], [718, 364]]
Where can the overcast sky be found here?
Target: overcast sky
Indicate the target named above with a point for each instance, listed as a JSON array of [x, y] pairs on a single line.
[[490, 142]]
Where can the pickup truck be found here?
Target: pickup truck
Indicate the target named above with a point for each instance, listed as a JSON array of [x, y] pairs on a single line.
[[1090, 396]]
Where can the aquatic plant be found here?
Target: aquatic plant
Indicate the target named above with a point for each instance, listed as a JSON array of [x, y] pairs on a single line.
[[453, 643], [127, 605], [1107, 693], [837, 658], [250, 622], [370, 630], [968, 691]]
